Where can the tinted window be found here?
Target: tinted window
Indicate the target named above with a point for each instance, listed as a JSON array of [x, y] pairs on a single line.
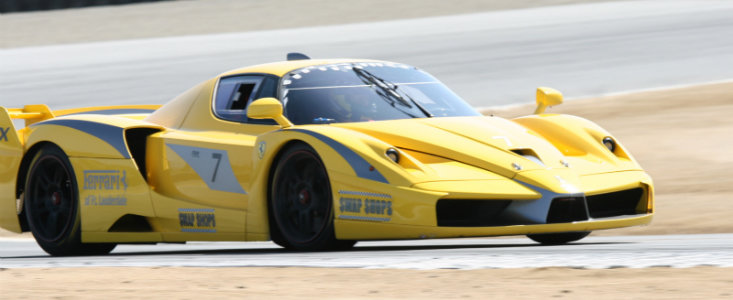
[[234, 94], [358, 92]]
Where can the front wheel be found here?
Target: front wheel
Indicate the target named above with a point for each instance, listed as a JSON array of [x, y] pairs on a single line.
[[52, 205], [301, 202], [558, 238]]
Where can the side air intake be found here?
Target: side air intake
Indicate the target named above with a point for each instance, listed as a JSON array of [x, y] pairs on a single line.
[[137, 139]]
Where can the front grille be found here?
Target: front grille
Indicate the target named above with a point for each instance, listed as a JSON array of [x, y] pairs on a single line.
[[567, 209], [615, 204], [483, 213], [470, 213]]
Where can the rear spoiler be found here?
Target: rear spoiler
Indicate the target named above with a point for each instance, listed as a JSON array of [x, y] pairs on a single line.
[[11, 152], [10, 141], [40, 112], [31, 113], [110, 110]]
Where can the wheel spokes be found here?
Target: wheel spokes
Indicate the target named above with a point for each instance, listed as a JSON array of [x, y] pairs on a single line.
[[309, 173], [44, 180], [50, 198], [302, 197]]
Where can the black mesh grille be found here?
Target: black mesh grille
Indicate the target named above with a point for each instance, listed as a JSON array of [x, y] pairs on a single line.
[[615, 204], [470, 213], [567, 209]]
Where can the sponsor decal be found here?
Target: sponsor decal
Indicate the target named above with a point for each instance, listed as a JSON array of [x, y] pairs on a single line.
[[197, 220], [368, 206], [4, 134], [105, 187]]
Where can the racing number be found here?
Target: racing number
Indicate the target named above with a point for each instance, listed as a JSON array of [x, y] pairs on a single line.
[[217, 157]]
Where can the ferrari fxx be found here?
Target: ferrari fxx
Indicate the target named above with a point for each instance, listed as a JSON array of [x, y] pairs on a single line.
[[313, 155]]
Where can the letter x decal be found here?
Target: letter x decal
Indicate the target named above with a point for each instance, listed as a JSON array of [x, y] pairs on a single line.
[[4, 133]]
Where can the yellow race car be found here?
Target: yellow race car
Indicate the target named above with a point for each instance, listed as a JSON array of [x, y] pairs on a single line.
[[313, 155]]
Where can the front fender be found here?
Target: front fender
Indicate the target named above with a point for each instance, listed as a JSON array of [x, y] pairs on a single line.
[[580, 140], [345, 154]]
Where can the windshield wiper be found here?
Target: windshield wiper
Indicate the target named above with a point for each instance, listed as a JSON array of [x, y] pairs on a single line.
[[389, 91], [419, 106], [392, 102]]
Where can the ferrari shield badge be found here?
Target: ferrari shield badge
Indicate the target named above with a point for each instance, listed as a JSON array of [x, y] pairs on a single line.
[[261, 149]]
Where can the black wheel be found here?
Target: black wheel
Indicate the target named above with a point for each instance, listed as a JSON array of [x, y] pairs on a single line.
[[52, 205], [301, 214], [558, 238]]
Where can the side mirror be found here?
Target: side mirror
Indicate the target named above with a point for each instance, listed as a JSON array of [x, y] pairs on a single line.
[[268, 108], [547, 97]]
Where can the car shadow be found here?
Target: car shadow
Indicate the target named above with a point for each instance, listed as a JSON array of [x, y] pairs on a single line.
[[356, 249]]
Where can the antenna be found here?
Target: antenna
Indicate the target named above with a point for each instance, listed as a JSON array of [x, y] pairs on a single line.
[[297, 56]]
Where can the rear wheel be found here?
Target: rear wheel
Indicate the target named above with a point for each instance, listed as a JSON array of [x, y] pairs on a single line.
[[52, 205], [558, 238], [301, 203]]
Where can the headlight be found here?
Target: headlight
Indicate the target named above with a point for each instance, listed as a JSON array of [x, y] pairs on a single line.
[[393, 154], [610, 144]]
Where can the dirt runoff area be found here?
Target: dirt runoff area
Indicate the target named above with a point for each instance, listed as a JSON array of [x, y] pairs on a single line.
[[681, 136], [322, 283]]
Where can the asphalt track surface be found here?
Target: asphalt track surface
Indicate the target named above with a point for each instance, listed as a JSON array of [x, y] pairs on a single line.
[[677, 251], [492, 58]]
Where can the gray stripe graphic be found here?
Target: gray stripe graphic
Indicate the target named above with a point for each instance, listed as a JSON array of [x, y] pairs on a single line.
[[212, 166]]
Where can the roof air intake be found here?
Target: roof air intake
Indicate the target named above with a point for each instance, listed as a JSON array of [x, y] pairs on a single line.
[[297, 56]]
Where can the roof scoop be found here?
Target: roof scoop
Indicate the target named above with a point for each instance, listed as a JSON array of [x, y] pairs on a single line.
[[297, 56]]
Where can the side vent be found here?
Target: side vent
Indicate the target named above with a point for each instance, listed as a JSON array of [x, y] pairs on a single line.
[[137, 139], [131, 223]]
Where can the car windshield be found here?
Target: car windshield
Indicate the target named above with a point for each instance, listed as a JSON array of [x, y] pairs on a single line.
[[366, 91]]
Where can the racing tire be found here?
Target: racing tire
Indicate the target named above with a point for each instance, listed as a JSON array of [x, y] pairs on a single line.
[[301, 203], [51, 204], [558, 238]]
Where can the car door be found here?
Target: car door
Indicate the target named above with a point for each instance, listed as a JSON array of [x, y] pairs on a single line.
[[207, 163]]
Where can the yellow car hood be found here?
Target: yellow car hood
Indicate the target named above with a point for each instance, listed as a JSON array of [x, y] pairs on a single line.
[[495, 144], [490, 143]]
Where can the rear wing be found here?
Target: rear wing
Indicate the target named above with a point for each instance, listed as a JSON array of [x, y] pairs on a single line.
[[11, 153], [130, 111], [40, 112], [10, 139]]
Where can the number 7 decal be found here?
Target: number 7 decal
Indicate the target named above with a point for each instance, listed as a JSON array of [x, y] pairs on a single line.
[[216, 156], [200, 160]]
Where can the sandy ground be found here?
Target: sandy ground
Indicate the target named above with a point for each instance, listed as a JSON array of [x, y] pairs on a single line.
[[174, 18], [316, 283]]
